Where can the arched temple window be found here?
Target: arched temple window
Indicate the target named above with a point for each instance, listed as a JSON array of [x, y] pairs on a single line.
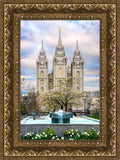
[[42, 82], [78, 74], [42, 74], [60, 72]]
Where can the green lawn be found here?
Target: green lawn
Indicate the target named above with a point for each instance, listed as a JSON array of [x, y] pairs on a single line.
[[96, 117]]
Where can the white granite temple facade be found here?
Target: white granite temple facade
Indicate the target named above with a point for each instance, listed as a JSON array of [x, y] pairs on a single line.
[[74, 69]]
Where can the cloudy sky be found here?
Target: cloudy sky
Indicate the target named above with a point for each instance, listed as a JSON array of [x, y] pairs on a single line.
[[34, 31]]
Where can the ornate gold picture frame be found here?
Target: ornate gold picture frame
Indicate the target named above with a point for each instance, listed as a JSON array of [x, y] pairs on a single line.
[[108, 13]]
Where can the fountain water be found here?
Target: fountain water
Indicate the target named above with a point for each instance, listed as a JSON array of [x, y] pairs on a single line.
[[61, 117]]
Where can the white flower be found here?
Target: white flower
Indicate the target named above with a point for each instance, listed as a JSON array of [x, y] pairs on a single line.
[[43, 132], [45, 135], [27, 134], [62, 138], [39, 136], [57, 138], [70, 135], [53, 137], [71, 139]]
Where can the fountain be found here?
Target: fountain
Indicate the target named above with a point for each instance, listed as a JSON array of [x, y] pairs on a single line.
[[58, 121], [61, 117]]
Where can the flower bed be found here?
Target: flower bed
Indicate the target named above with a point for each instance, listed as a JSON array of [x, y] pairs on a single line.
[[49, 134]]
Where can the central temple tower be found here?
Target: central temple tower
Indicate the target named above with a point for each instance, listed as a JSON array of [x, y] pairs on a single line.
[[59, 62]]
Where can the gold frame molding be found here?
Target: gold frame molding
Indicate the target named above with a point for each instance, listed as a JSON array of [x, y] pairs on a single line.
[[12, 11]]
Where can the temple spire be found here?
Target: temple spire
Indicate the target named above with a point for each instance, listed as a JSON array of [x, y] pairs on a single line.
[[42, 52], [77, 51], [59, 41], [42, 46], [76, 44]]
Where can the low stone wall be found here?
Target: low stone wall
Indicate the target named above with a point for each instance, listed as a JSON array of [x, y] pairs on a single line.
[[58, 128]]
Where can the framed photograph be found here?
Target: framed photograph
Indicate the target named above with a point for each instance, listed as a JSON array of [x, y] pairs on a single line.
[[60, 79], [60, 86]]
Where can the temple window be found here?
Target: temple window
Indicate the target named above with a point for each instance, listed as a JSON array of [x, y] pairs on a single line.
[[42, 82], [60, 72], [42, 74]]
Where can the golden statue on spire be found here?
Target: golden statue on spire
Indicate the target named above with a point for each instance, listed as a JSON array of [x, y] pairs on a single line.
[[59, 29]]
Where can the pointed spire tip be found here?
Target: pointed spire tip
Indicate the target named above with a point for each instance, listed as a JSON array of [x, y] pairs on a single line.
[[42, 45], [76, 44], [59, 41]]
